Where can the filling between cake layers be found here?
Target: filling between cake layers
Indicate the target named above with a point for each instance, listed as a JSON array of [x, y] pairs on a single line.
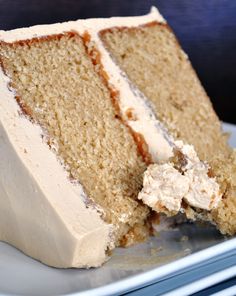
[[58, 87]]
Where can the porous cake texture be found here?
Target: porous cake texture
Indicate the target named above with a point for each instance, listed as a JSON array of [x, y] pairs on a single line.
[[85, 108]]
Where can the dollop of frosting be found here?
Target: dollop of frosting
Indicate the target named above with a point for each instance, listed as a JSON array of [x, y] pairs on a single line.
[[166, 186], [163, 187]]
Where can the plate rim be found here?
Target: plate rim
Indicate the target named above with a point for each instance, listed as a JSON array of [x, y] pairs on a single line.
[[155, 274]]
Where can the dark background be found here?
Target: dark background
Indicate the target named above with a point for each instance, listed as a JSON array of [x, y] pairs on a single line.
[[205, 28]]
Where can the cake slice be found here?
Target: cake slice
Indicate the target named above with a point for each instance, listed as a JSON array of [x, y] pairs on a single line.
[[85, 108]]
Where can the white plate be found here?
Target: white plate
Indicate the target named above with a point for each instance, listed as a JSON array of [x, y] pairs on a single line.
[[128, 268]]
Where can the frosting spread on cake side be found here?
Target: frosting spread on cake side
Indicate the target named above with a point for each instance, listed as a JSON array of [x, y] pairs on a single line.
[[68, 228]]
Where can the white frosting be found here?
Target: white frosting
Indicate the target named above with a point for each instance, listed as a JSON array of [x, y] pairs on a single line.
[[204, 192], [94, 25], [165, 187]]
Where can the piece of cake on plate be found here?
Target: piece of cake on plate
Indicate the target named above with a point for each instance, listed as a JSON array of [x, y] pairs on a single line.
[[85, 108]]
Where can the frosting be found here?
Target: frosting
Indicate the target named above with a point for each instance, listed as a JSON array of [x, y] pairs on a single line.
[[204, 192], [94, 25], [165, 187]]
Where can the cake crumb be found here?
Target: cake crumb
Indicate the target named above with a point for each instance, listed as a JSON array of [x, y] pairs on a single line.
[[184, 238], [155, 251], [130, 114]]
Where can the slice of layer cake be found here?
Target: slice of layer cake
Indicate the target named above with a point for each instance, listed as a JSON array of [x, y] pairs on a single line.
[[78, 133]]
